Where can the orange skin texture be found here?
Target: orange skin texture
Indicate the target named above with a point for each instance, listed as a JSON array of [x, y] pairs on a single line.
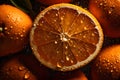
[[108, 14], [15, 26], [73, 75], [106, 66], [23, 67], [51, 2]]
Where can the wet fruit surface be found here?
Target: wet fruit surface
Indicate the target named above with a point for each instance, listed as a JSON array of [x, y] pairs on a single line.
[[107, 64], [14, 29], [19, 67], [31, 66], [108, 14], [65, 37]]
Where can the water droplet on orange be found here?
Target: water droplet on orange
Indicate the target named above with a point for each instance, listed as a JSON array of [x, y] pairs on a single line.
[[11, 27], [27, 75], [56, 42], [58, 65], [21, 68], [1, 29], [21, 35], [67, 58]]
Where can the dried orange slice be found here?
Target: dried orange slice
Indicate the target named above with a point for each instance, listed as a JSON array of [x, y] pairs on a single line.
[[65, 37]]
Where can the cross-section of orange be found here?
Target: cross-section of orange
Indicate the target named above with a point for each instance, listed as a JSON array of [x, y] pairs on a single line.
[[65, 37]]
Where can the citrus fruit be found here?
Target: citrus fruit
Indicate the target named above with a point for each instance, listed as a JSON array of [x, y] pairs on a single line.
[[51, 2], [14, 29], [72, 75], [39, 71], [65, 37], [19, 67], [106, 66], [108, 14]]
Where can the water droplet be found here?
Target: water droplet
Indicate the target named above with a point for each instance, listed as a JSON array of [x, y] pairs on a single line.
[[21, 35], [74, 45], [111, 70], [93, 34], [84, 36], [58, 52], [11, 27], [56, 14], [21, 68], [1, 29], [58, 65], [117, 61], [34, 24], [23, 30], [26, 76], [108, 61], [54, 21], [96, 1], [5, 28], [101, 4], [67, 58], [114, 67], [81, 21], [66, 47], [42, 21], [71, 61], [56, 42], [61, 18], [85, 28], [109, 12]]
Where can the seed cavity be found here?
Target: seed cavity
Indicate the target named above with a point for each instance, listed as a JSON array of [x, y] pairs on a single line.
[[64, 37]]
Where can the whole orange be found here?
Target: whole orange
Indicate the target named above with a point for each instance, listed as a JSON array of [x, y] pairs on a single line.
[[51, 2], [106, 66], [108, 14], [14, 29], [18, 67]]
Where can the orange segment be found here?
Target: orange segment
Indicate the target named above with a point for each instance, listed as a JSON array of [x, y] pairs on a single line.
[[65, 37]]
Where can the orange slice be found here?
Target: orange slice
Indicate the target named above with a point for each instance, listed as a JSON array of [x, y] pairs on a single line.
[[65, 37]]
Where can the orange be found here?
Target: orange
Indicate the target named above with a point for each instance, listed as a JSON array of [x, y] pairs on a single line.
[[23, 67], [14, 29], [51, 2], [65, 37], [108, 14], [106, 66], [72, 75]]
